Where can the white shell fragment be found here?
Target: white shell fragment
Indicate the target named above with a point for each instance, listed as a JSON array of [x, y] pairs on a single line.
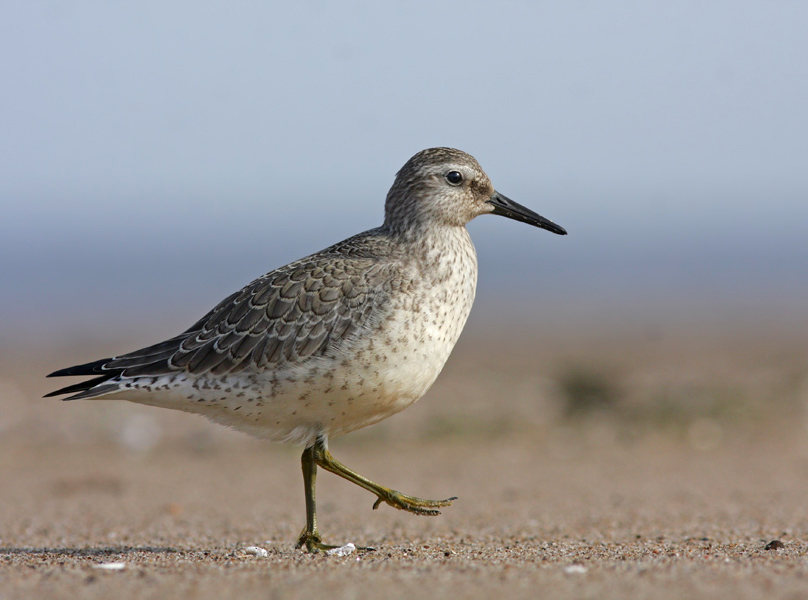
[[111, 566], [256, 551], [573, 569], [342, 550]]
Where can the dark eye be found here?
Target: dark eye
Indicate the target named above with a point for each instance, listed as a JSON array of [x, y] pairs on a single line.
[[454, 177]]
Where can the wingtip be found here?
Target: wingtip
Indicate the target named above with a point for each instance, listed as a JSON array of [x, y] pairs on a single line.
[[61, 372], [92, 368]]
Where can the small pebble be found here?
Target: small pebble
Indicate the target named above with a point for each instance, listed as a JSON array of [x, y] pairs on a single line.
[[256, 551], [111, 566], [342, 551], [775, 545]]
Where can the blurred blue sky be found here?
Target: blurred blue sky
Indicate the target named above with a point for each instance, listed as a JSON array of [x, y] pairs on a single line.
[[155, 156]]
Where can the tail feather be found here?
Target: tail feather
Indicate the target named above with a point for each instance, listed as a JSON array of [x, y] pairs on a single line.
[[93, 392], [152, 361], [82, 386], [86, 389]]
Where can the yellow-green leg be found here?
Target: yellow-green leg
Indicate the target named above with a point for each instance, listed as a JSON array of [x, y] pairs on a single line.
[[310, 537], [318, 454]]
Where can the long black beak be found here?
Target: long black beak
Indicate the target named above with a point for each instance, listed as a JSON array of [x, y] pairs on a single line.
[[506, 207]]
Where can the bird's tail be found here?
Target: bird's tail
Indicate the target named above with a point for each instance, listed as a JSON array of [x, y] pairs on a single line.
[[92, 387]]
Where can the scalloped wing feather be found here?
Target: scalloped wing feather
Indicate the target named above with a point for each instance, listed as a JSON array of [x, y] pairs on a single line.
[[285, 316]]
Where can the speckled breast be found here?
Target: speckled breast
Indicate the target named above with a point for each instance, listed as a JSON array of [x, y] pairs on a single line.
[[389, 368]]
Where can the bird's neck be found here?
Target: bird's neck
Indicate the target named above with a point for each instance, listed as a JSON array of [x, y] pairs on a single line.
[[440, 249]]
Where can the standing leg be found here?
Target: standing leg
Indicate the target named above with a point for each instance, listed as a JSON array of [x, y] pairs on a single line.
[[318, 454], [310, 537]]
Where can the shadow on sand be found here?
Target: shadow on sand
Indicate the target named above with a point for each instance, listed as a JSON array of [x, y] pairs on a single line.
[[104, 551]]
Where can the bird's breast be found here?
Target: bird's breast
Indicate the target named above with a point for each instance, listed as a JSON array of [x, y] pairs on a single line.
[[395, 364], [424, 323]]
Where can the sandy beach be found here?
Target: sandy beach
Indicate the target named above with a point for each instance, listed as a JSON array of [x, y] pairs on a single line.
[[680, 474]]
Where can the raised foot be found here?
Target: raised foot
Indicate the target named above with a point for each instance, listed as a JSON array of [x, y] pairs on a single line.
[[315, 545], [419, 506]]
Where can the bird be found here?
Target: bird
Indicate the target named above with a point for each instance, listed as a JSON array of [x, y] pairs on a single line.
[[335, 341]]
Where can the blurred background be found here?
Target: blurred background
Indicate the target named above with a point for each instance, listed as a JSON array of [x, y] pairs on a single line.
[[157, 156]]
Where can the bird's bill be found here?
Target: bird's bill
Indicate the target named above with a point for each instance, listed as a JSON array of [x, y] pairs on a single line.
[[505, 207]]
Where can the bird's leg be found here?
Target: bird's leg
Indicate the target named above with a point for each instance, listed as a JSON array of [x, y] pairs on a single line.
[[322, 457], [310, 537]]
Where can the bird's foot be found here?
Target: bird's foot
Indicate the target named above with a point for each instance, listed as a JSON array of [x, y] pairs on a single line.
[[314, 544], [419, 506]]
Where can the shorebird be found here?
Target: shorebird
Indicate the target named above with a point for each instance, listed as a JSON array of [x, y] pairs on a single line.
[[335, 341]]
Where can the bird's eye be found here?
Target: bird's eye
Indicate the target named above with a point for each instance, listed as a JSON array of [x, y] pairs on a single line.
[[454, 177]]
